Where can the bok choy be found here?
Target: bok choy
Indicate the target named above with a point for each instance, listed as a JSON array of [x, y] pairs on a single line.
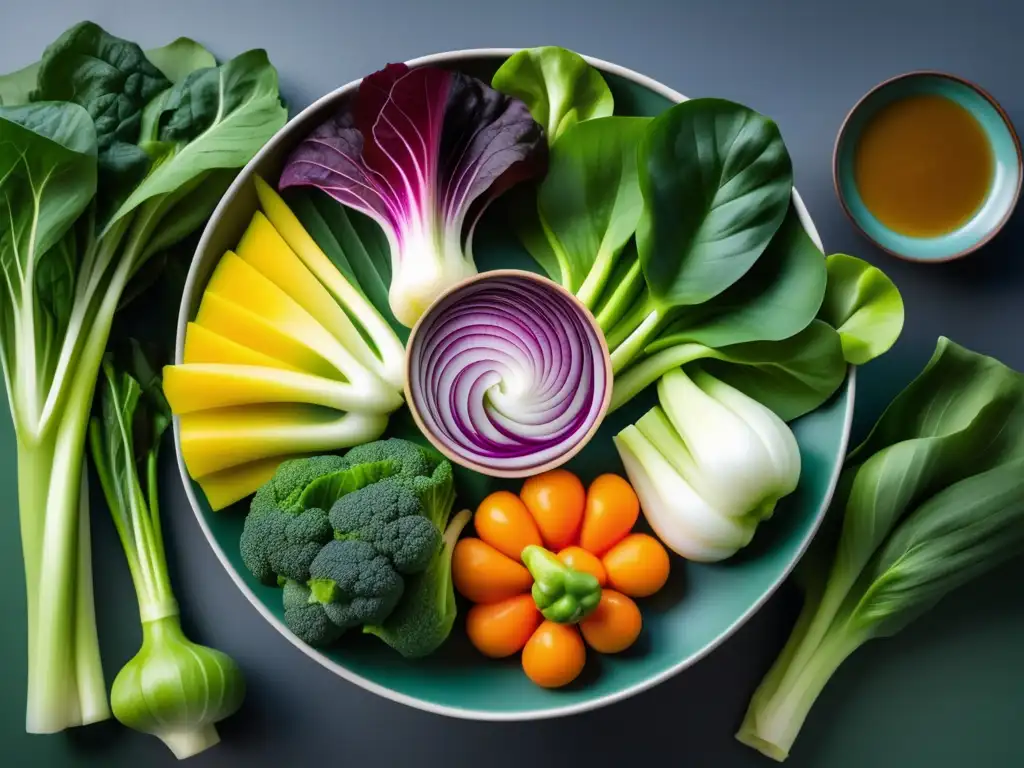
[[708, 464], [172, 688], [930, 500], [107, 160]]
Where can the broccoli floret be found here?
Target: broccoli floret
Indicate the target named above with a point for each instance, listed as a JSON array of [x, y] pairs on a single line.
[[278, 545], [412, 460], [285, 488], [424, 618], [287, 524], [436, 492], [305, 616], [355, 583], [389, 516]]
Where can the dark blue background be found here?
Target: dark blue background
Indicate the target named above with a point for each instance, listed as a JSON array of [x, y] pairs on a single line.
[[945, 692]]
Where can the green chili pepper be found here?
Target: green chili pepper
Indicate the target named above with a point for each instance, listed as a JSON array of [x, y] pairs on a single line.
[[563, 594]]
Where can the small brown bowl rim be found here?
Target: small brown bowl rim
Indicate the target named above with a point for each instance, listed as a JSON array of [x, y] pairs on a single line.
[[993, 231], [468, 463]]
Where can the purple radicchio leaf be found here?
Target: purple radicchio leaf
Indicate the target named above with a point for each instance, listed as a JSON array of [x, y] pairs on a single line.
[[422, 152]]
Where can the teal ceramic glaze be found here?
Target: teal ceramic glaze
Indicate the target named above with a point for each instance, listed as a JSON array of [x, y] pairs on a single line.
[[1006, 179], [699, 607]]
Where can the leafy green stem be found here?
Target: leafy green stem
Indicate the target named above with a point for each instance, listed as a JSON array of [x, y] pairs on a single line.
[[92, 688], [50, 669], [634, 344], [777, 714], [637, 378], [593, 284], [99, 256], [621, 297]]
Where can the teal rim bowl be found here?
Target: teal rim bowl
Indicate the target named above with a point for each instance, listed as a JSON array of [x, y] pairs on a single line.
[[699, 607], [1003, 192]]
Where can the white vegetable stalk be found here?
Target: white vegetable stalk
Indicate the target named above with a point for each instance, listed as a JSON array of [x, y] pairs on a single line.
[[428, 260], [708, 464]]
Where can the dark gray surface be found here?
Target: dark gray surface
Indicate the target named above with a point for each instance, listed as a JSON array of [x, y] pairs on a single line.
[[947, 691]]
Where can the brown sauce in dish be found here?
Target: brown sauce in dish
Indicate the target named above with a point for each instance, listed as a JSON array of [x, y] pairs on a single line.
[[923, 165]]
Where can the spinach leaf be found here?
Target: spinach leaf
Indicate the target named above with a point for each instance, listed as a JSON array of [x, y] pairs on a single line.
[[180, 58], [176, 60], [716, 181], [558, 86], [16, 87], [113, 80], [864, 305], [214, 118], [778, 297], [589, 202]]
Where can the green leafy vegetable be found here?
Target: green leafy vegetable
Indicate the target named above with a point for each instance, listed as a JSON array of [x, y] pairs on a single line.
[[215, 118], [861, 303], [105, 126], [713, 261], [777, 297], [589, 202], [180, 58], [792, 377], [716, 180], [931, 499], [558, 86], [47, 178], [173, 688], [354, 243], [16, 88]]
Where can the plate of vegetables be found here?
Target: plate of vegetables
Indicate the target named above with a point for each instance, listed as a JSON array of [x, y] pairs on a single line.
[[510, 383]]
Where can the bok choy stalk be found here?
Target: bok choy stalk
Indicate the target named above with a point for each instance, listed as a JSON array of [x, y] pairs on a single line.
[[173, 688], [930, 500], [708, 464], [112, 161]]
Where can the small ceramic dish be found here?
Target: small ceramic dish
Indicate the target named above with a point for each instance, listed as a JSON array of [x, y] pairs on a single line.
[[481, 300], [1004, 186]]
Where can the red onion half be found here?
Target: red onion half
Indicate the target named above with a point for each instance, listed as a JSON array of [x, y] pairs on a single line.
[[508, 374]]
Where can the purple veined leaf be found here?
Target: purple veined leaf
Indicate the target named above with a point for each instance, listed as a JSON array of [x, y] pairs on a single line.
[[422, 152]]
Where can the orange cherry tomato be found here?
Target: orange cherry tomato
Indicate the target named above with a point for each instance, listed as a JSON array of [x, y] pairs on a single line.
[[500, 629], [614, 625], [503, 521], [611, 512], [554, 655], [556, 500], [637, 566], [581, 560], [484, 575]]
